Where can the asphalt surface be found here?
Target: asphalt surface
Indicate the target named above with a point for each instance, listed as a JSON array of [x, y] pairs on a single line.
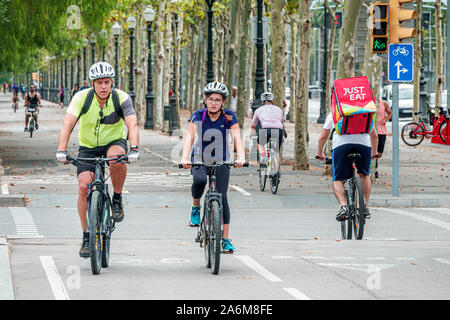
[[288, 245]]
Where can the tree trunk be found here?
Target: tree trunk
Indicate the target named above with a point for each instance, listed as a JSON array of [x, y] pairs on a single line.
[[292, 63], [417, 60], [167, 71], [159, 65], [232, 51], [242, 94], [347, 40], [300, 138], [278, 55]]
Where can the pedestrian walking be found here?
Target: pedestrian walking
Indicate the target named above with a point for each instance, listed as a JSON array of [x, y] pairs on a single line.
[[383, 109], [61, 96]]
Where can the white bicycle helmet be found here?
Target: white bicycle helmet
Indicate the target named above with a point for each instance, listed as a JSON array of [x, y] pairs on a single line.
[[101, 70], [267, 96], [216, 87]]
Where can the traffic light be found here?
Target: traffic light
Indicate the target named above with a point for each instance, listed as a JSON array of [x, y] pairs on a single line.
[[396, 18], [379, 27]]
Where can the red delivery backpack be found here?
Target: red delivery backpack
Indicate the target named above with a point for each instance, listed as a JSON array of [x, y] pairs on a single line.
[[353, 106]]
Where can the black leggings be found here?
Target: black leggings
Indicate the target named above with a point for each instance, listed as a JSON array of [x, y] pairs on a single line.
[[222, 180]]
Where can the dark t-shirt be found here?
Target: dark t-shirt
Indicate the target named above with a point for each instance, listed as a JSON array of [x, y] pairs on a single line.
[[212, 144]]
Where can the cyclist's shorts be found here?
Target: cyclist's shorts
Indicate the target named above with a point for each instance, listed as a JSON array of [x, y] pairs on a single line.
[[342, 167], [264, 134], [97, 152]]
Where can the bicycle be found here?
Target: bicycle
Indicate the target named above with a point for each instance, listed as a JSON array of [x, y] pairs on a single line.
[[211, 228], [355, 201], [271, 169], [15, 106], [413, 133], [31, 124], [99, 206]]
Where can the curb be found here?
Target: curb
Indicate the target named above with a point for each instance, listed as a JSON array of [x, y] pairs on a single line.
[[6, 286], [12, 200]]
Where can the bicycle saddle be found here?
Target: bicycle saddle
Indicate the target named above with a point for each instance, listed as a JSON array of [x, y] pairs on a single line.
[[354, 156]]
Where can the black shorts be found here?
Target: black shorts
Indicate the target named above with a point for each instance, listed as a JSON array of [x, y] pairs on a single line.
[[97, 152], [264, 135], [61, 99], [381, 142], [342, 167]]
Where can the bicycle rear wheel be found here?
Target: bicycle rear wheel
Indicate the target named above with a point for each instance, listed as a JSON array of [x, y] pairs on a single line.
[[443, 131], [346, 225], [358, 218], [95, 236], [262, 178], [274, 174], [412, 134], [215, 236]]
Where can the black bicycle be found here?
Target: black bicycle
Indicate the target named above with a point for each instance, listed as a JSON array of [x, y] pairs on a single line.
[[99, 206], [211, 227], [355, 202], [32, 109]]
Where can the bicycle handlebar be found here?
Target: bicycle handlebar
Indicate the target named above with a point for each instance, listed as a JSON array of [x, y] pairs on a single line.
[[121, 158], [197, 164]]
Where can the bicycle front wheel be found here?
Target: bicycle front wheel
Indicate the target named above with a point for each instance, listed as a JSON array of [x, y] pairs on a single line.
[[359, 220], [443, 132], [262, 178], [215, 236], [204, 229], [413, 134], [95, 235], [31, 128], [106, 236]]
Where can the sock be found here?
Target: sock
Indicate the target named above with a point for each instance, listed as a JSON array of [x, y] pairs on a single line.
[[117, 196]]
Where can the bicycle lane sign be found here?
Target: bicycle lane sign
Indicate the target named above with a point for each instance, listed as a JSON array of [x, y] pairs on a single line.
[[400, 62]]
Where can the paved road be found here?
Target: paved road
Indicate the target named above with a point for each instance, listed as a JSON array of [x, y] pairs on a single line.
[[288, 245]]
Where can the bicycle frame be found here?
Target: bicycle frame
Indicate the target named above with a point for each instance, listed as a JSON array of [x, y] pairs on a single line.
[[425, 132]]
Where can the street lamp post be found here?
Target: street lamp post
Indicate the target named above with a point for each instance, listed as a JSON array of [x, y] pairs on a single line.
[[149, 16], [103, 35], [210, 73], [85, 43], [323, 93], [116, 29], [259, 79], [131, 22], [93, 41]]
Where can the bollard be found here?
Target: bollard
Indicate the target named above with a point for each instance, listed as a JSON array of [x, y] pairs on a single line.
[[166, 119], [173, 121]]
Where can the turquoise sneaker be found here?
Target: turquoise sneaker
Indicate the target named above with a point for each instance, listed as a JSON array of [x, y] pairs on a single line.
[[195, 217], [227, 246]]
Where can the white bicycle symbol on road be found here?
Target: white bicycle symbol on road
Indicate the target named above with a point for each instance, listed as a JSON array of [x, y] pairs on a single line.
[[400, 50]]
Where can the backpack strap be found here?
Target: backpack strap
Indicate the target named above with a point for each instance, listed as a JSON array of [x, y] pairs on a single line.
[[87, 103], [116, 103]]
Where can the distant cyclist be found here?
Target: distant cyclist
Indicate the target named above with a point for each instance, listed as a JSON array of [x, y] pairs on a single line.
[[271, 119], [15, 101], [101, 133], [32, 101], [211, 124]]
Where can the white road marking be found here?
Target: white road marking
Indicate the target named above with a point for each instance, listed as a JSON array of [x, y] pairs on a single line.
[[357, 266], [5, 189], [441, 260], [160, 156], [7, 292], [56, 283], [255, 266], [25, 226], [245, 193], [282, 257], [433, 221], [439, 210], [297, 294]]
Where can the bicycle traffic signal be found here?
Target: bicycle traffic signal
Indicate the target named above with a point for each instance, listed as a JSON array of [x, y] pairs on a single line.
[[396, 18], [379, 27]]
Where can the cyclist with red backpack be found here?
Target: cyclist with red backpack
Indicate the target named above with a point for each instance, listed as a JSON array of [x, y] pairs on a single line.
[[353, 132], [211, 125]]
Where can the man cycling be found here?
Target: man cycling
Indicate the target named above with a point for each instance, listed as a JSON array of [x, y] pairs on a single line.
[[366, 145], [101, 133], [32, 104], [271, 119], [15, 101], [211, 125]]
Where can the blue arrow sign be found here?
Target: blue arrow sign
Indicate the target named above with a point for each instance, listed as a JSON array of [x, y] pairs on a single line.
[[400, 62]]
